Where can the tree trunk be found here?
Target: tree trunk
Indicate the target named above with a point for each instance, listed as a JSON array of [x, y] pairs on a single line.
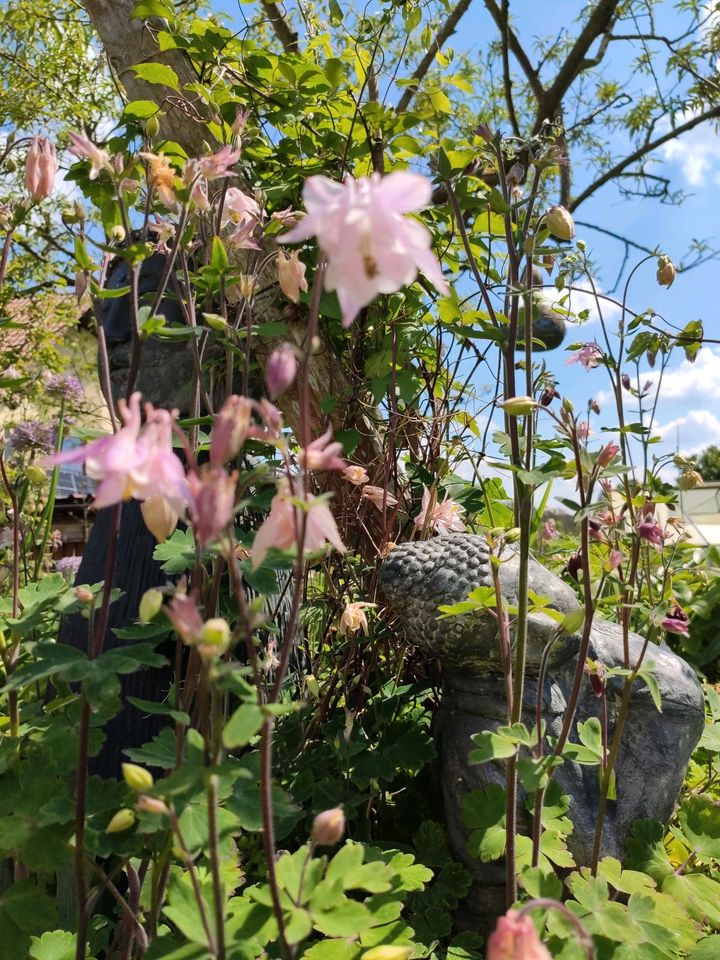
[[129, 41]]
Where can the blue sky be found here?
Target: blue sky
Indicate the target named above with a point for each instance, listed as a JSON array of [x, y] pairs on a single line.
[[688, 413]]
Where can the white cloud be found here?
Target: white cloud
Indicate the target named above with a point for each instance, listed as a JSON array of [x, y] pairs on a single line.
[[691, 384], [692, 432], [696, 152]]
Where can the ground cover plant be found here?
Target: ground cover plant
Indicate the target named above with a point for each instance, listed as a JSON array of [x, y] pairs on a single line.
[[363, 302]]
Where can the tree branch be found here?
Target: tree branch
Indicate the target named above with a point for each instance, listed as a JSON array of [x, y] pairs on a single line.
[[283, 31], [446, 31], [507, 79], [518, 51], [643, 151], [598, 23]]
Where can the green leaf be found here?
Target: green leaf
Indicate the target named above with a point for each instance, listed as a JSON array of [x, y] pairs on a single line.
[[219, 260], [700, 820], [698, 894], [53, 945], [490, 746], [645, 850], [140, 109], [243, 725], [706, 949], [177, 553], [159, 73], [349, 919]]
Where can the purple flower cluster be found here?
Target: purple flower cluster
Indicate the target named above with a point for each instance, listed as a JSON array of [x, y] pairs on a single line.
[[64, 386], [68, 566], [33, 435]]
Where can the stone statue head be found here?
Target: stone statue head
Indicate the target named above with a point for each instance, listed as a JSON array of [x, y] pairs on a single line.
[[165, 377]]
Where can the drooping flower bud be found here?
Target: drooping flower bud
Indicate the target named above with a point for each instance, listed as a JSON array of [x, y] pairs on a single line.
[[150, 605], [328, 827], [137, 778], [40, 168], [230, 429], [280, 371], [515, 937], [607, 454], [690, 479], [83, 595], [123, 820], [666, 271], [216, 633], [560, 223], [519, 406], [291, 275], [212, 501], [387, 952], [151, 805], [159, 517]]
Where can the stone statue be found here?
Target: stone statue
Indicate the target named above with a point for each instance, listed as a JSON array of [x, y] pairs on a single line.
[[656, 746]]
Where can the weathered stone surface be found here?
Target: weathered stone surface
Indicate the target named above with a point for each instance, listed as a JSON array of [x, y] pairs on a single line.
[[656, 746]]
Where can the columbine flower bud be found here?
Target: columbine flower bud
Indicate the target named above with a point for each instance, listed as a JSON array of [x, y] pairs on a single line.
[[118, 233], [40, 168], [607, 454], [690, 479], [560, 223], [514, 937], [230, 429], [594, 406], [137, 778], [625, 381], [387, 952], [216, 633], [328, 827], [84, 595], [280, 371], [312, 686], [291, 275], [123, 820], [519, 406], [150, 805], [152, 126], [159, 517], [665, 271], [215, 321], [150, 605]]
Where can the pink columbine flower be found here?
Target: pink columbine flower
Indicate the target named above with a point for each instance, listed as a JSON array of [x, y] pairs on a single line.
[[242, 238], [370, 245], [82, 147], [291, 275], [583, 429], [280, 370], [161, 473], [614, 560], [40, 168], [239, 208], [607, 454], [240, 121], [183, 614], [135, 462], [355, 474], [199, 196], [515, 938], [676, 621], [322, 454], [589, 356], [230, 430], [443, 517], [649, 529], [378, 496], [219, 164], [353, 618], [212, 502], [282, 526], [549, 531]]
